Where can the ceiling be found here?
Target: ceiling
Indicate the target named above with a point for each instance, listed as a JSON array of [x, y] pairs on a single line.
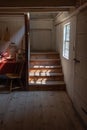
[[43, 15], [37, 3], [33, 16], [24, 6]]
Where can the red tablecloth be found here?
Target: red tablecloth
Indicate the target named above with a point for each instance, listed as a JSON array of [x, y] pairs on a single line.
[[7, 66]]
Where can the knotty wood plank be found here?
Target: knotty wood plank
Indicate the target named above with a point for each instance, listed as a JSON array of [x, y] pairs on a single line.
[[38, 111], [37, 3]]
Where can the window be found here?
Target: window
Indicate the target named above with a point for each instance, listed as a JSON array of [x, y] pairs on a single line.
[[66, 40]]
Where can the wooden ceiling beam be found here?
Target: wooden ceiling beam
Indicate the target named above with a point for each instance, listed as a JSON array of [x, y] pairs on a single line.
[[37, 3], [25, 10]]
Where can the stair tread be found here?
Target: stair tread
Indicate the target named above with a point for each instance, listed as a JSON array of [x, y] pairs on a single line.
[[44, 78], [44, 59], [42, 53], [44, 74], [45, 66], [48, 83], [45, 70]]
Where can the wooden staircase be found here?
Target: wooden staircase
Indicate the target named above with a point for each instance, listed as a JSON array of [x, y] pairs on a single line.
[[45, 72]]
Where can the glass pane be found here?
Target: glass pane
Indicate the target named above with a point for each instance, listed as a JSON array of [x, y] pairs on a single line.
[[64, 35], [67, 45], [67, 54], [68, 32], [66, 40]]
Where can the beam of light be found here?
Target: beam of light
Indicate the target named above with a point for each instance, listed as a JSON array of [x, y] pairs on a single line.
[[18, 36], [3, 46], [40, 74], [42, 66], [38, 81]]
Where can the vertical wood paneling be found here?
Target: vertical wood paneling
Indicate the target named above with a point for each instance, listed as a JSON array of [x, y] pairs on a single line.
[[15, 28], [41, 40], [81, 68], [42, 35], [68, 65]]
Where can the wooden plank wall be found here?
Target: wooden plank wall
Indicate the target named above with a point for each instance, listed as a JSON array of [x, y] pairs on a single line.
[[37, 3]]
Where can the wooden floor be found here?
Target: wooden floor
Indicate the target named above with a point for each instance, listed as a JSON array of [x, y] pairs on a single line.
[[38, 110]]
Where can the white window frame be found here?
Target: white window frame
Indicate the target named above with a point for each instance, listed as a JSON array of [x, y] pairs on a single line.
[[66, 40]]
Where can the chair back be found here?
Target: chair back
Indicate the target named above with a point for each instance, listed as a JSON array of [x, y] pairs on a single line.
[[19, 68]]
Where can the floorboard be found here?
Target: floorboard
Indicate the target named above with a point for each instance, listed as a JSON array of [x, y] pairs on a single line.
[[38, 110]]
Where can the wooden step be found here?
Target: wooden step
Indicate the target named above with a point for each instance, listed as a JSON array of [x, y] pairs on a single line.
[[46, 55], [46, 78], [58, 85], [44, 74], [47, 83], [45, 66], [47, 88], [45, 62], [43, 53], [45, 70]]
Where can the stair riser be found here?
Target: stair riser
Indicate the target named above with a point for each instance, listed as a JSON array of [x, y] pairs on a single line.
[[47, 88], [59, 70], [48, 56], [43, 78], [45, 63], [59, 78]]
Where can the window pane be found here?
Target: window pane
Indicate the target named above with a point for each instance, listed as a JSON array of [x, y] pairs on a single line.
[[66, 40], [68, 33], [67, 45], [67, 54]]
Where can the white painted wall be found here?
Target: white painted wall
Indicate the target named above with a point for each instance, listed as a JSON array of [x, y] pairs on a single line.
[[80, 91], [42, 35], [68, 65], [75, 74], [15, 26]]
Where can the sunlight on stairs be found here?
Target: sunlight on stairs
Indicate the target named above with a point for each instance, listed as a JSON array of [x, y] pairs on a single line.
[[45, 72]]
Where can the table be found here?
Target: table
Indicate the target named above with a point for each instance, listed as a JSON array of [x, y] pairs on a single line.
[[7, 66]]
